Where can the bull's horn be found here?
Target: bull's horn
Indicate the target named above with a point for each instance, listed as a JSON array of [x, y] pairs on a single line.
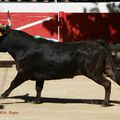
[[9, 20], [1, 26]]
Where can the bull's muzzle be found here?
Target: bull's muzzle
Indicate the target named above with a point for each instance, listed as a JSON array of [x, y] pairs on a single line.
[[1, 29]]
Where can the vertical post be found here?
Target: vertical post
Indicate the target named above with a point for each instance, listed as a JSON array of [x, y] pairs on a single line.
[[61, 26], [55, 1]]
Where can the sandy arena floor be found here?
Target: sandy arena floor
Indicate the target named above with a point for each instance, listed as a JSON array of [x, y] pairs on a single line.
[[68, 99]]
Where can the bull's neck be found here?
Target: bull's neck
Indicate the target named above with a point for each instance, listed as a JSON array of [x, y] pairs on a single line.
[[19, 50]]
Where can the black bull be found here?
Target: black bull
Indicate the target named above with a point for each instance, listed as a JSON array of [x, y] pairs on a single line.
[[41, 60]]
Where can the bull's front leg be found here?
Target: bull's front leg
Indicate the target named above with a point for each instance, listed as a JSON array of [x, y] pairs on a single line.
[[39, 87], [19, 79]]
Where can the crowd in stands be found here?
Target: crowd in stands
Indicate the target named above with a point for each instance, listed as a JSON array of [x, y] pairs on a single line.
[[56, 0]]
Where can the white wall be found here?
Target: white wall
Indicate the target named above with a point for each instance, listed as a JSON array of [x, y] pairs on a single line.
[[51, 7]]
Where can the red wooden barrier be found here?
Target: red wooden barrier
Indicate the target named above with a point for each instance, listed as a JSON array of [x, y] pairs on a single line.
[[90, 26], [72, 26], [42, 24]]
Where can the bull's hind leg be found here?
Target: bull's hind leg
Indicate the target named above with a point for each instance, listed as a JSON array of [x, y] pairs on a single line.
[[101, 80], [39, 87], [107, 85]]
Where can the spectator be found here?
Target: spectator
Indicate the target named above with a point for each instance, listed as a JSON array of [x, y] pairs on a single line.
[[113, 8], [27, 0]]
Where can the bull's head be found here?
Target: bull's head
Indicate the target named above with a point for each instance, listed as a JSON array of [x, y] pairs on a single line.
[[4, 28], [2, 35], [4, 31]]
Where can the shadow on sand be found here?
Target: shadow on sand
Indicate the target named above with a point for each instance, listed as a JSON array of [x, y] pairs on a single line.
[[28, 98]]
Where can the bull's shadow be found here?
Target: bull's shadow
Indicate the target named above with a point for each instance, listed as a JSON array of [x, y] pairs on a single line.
[[28, 98]]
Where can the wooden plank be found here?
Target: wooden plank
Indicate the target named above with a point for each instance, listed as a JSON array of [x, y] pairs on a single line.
[[7, 63]]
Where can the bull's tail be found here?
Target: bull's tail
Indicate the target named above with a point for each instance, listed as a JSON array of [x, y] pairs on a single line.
[[112, 71], [110, 68]]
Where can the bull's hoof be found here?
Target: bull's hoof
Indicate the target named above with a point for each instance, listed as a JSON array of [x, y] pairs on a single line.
[[3, 97], [36, 101], [1, 106], [105, 104], [27, 101]]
